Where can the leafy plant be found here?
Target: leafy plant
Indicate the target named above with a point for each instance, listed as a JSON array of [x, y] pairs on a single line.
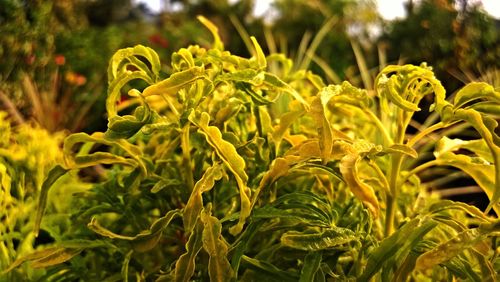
[[204, 179]]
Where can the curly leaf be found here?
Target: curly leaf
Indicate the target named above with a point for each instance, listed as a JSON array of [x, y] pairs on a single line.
[[185, 265], [396, 245], [82, 160], [55, 255], [215, 32], [219, 268], [463, 241], [364, 192], [54, 174], [234, 162], [312, 262], [144, 241], [328, 239], [195, 203], [406, 85], [474, 91], [128, 125], [259, 54], [175, 82], [129, 56], [481, 171]]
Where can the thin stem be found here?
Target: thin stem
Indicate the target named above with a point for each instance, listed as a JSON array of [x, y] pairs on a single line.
[[392, 197], [381, 175], [419, 169], [426, 132], [379, 125]]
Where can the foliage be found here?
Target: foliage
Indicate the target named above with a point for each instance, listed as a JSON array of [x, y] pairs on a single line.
[[27, 153], [226, 171]]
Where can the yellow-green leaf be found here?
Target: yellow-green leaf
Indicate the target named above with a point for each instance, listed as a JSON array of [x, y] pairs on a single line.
[[195, 203], [327, 239], [219, 268], [363, 191], [185, 265], [462, 241], [234, 162]]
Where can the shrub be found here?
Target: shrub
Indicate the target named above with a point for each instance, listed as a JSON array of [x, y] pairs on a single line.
[[225, 171]]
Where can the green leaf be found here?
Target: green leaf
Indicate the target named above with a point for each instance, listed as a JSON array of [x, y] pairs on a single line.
[[486, 126], [481, 172], [259, 54], [54, 174], [270, 271], [219, 268], [474, 91], [402, 149], [234, 162], [192, 210], [55, 255], [185, 265], [312, 261], [144, 241], [83, 159], [214, 30], [461, 242], [278, 84], [349, 168], [175, 82], [446, 205], [327, 239], [400, 242], [125, 264]]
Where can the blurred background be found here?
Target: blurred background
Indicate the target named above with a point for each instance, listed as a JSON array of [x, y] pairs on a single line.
[[54, 53]]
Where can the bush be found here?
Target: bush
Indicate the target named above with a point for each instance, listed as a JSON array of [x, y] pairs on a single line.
[[226, 171]]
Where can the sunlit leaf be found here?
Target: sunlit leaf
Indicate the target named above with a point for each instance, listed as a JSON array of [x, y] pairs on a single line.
[[349, 169], [144, 241], [219, 267], [327, 239], [54, 174], [474, 91], [483, 173], [401, 241], [214, 30], [194, 205], [234, 162], [463, 241]]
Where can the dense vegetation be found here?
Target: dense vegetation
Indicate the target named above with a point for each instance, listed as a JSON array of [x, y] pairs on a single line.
[[225, 170], [282, 163]]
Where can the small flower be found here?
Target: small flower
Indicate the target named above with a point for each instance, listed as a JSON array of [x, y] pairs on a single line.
[[158, 40], [59, 59], [75, 78]]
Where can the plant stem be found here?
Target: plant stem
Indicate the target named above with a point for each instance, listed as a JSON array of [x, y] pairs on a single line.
[[393, 195], [379, 125]]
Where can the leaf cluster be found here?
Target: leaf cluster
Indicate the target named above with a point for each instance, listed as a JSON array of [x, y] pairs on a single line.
[[226, 171]]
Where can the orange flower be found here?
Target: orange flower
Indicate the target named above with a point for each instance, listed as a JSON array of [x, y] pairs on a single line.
[[75, 78], [59, 60]]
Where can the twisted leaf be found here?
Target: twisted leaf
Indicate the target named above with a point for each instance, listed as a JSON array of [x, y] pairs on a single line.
[[234, 162], [219, 268], [327, 239]]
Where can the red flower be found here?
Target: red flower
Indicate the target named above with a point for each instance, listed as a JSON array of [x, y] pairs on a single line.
[[59, 60], [158, 40]]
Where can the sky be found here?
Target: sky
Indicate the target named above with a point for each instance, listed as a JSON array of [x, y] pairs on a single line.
[[389, 9]]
